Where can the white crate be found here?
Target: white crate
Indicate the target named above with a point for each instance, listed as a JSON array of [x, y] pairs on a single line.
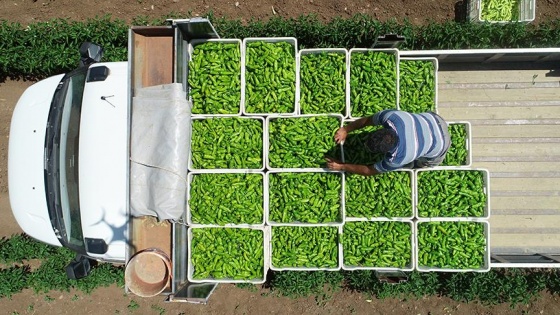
[[188, 213], [527, 10], [484, 268], [218, 170], [361, 50], [338, 267], [436, 66], [302, 170], [267, 142], [346, 75], [290, 40], [409, 267], [190, 50], [467, 144], [412, 201], [266, 256], [486, 177]]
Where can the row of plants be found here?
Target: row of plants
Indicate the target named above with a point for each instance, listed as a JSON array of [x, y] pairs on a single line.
[[47, 48], [19, 252], [513, 286]]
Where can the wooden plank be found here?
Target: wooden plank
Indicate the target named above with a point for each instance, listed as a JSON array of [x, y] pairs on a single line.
[[509, 104], [468, 113], [516, 140], [525, 241], [152, 57], [525, 174], [532, 193], [477, 95], [519, 158], [495, 76], [515, 149], [524, 184], [516, 122], [522, 131], [518, 166], [525, 202], [532, 222], [501, 85]]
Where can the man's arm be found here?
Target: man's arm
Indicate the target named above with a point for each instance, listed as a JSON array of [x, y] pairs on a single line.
[[358, 124], [364, 170], [343, 132]]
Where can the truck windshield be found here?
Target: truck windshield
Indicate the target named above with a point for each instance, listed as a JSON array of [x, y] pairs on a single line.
[[61, 163]]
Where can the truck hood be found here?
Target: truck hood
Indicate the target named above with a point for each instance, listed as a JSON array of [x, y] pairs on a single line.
[[103, 161], [103, 164], [26, 180]]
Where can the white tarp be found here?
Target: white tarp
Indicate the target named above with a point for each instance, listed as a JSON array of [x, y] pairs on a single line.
[[159, 151]]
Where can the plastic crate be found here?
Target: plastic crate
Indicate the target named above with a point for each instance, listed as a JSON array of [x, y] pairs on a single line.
[[348, 69], [190, 50], [218, 170], [290, 40], [339, 247], [436, 66], [267, 142], [188, 214], [527, 10], [266, 255], [486, 260], [486, 178], [267, 198], [409, 267], [412, 202], [468, 143], [346, 76]]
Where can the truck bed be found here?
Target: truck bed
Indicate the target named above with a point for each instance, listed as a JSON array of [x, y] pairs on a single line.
[[515, 118]]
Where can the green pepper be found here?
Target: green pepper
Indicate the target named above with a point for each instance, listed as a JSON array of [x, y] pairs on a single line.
[[215, 78], [227, 253], [226, 199], [304, 247], [377, 244], [305, 197], [270, 77], [417, 86], [451, 245], [373, 82], [451, 193], [323, 83]]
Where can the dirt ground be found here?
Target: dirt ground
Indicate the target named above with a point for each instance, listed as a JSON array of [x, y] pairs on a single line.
[[227, 299], [417, 11]]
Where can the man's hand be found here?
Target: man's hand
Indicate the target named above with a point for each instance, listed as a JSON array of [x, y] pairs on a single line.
[[334, 164], [340, 135]]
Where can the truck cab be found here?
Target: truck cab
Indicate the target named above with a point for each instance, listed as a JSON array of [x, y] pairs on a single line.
[[68, 162]]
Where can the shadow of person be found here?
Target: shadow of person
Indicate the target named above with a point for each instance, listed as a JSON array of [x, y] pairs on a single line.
[[354, 148]]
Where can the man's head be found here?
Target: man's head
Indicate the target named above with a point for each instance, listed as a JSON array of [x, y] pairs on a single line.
[[381, 141]]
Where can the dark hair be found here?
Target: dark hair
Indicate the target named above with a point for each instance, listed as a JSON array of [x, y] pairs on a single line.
[[381, 141]]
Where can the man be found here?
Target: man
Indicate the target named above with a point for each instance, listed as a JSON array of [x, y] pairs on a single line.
[[406, 140]]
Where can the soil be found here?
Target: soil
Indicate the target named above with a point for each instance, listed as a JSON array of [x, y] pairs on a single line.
[[417, 11], [228, 299]]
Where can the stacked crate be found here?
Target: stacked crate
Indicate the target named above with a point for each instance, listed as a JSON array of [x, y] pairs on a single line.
[[259, 195]]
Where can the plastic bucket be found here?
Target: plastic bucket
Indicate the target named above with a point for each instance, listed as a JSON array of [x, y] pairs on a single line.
[[148, 272]]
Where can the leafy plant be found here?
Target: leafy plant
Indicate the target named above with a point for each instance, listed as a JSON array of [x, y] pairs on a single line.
[[13, 279], [133, 305], [304, 283], [47, 48]]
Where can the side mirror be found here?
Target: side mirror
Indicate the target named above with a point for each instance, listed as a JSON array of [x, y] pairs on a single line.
[[90, 53]]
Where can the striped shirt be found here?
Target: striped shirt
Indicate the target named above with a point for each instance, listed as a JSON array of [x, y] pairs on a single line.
[[419, 136]]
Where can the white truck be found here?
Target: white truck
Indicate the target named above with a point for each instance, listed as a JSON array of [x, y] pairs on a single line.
[[70, 162]]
